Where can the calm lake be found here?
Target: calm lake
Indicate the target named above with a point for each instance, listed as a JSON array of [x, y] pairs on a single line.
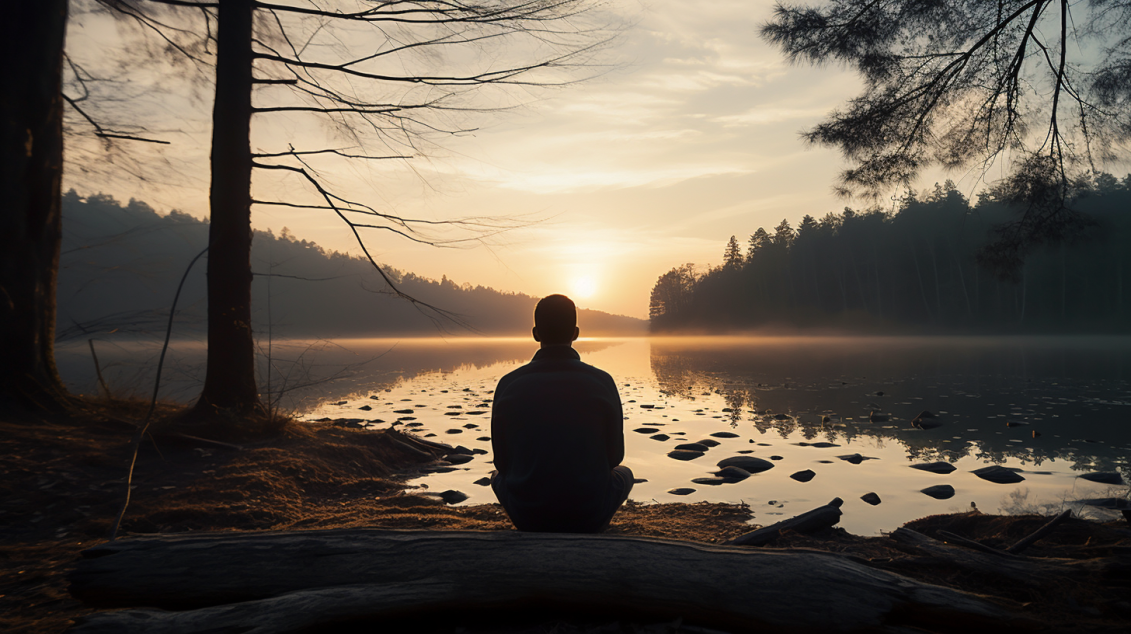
[[1052, 408]]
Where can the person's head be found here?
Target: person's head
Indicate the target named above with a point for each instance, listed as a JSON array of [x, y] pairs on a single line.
[[555, 321]]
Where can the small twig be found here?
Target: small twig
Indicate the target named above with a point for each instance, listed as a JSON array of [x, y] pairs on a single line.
[[969, 543], [98, 371], [1026, 542], [206, 440], [153, 402]]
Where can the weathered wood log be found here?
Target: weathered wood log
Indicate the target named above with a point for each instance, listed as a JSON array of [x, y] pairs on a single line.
[[819, 518], [1026, 542], [291, 581]]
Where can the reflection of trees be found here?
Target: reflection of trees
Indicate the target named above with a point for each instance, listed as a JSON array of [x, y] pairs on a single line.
[[750, 378]]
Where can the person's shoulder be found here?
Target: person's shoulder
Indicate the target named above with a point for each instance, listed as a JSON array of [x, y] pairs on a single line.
[[596, 372]]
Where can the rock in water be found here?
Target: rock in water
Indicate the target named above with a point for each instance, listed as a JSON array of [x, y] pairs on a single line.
[[803, 476], [692, 446], [940, 491], [681, 491], [484, 481], [660, 437], [747, 463], [679, 454], [639, 480], [646, 430], [709, 481], [451, 496], [708, 442], [925, 414], [998, 474], [365, 408], [457, 458], [732, 474], [725, 434], [935, 467], [871, 498], [1109, 477], [853, 458]]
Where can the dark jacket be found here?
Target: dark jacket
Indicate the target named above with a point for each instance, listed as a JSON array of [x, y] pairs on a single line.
[[557, 431]]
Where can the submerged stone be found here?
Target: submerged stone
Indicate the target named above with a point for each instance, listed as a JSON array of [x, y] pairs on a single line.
[[999, 474], [484, 481], [725, 434], [681, 491], [646, 430], [692, 446], [803, 476], [935, 467], [708, 442], [750, 464], [939, 491], [660, 437], [680, 454], [451, 496], [732, 474], [709, 481], [1107, 477]]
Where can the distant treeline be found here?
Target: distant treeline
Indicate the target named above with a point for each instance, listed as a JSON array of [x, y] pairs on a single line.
[[914, 268], [120, 266]]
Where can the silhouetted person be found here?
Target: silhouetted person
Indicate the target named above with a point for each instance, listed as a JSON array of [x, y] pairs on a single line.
[[557, 431]]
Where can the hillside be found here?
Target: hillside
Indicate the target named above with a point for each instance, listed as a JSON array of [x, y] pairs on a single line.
[[120, 266]]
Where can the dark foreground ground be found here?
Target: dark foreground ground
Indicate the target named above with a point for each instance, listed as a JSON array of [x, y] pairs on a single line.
[[62, 482]]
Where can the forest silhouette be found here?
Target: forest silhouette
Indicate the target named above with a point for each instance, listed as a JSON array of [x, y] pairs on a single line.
[[120, 264], [920, 267]]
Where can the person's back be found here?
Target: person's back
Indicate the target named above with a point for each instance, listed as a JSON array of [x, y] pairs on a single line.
[[557, 434]]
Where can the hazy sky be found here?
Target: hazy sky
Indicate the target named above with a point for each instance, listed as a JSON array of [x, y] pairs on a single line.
[[693, 137]]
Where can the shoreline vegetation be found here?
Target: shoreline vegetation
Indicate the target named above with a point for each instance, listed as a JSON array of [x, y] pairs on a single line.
[[64, 479]]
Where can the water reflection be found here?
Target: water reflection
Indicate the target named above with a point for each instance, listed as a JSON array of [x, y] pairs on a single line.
[[1028, 399], [806, 404]]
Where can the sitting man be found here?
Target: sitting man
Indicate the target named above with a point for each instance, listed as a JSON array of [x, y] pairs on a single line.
[[557, 433]]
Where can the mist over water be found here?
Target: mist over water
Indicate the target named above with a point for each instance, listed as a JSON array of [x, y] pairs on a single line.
[[801, 402]]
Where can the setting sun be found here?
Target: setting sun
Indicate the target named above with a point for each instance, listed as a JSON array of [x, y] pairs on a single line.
[[583, 287]]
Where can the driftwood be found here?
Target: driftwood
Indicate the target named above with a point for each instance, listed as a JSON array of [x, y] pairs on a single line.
[[951, 538], [1022, 544], [1022, 571], [808, 522], [294, 581]]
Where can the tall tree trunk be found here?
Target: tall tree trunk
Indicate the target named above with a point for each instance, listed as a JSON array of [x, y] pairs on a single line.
[[229, 381], [31, 106]]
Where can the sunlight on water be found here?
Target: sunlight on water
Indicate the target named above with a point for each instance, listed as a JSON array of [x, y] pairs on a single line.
[[770, 399], [1052, 407]]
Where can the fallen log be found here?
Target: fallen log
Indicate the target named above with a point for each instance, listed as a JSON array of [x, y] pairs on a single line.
[[1022, 544], [1024, 571], [819, 518], [295, 581]]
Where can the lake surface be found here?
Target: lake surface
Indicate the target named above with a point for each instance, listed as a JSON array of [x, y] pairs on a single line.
[[800, 402]]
